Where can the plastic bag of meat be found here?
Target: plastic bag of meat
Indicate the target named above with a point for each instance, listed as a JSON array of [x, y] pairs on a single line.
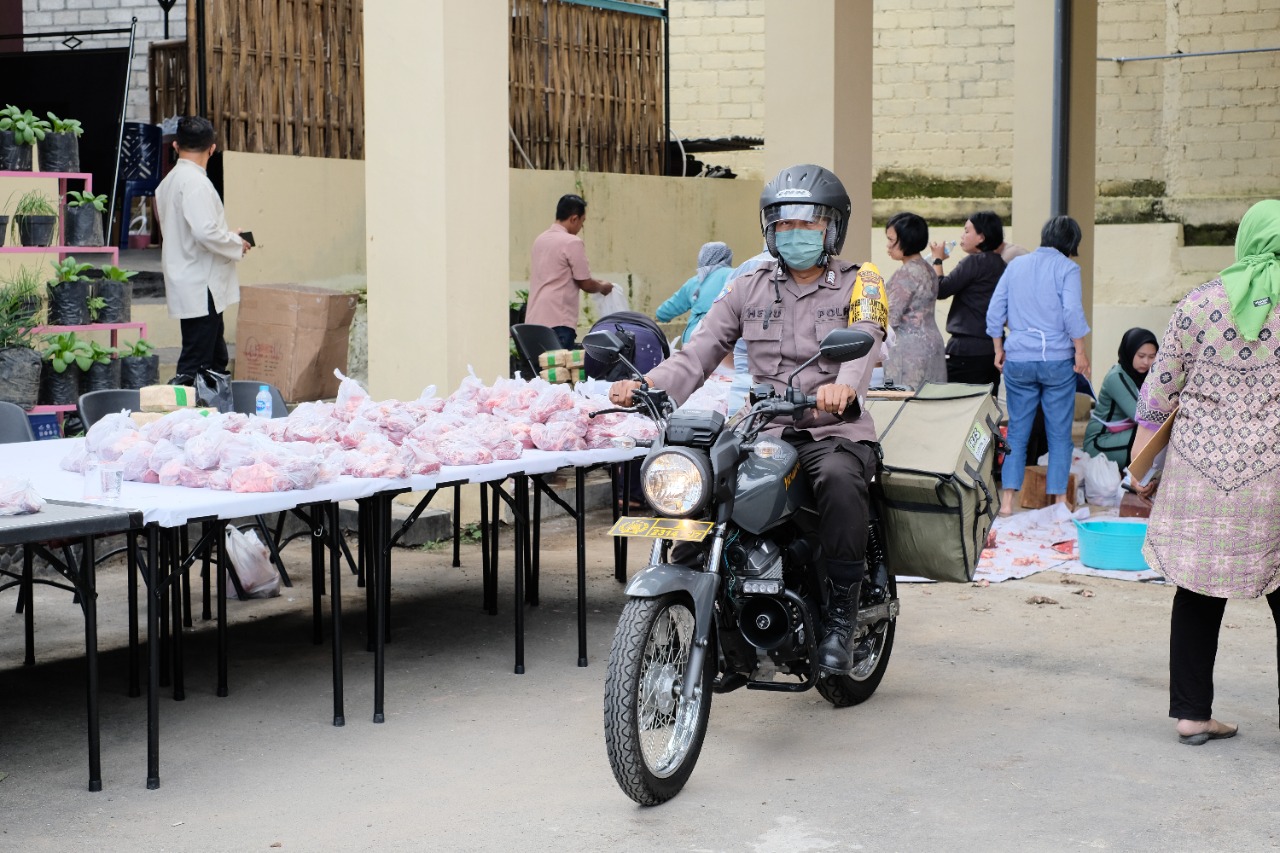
[[136, 461], [75, 460], [552, 399], [107, 431], [458, 449], [357, 432], [558, 437], [375, 461], [164, 451], [188, 428], [163, 428], [18, 497], [313, 422], [259, 477], [204, 451], [233, 421], [351, 397], [419, 457], [470, 390], [438, 425], [176, 472]]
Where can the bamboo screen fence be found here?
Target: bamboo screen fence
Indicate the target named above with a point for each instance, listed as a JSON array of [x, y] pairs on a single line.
[[168, 79], [586, 88], [284, 76]]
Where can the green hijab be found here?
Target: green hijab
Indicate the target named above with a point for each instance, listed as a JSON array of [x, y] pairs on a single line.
[[1253, 281]]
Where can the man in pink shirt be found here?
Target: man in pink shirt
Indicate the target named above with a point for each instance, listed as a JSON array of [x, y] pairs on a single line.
[[559, 270]]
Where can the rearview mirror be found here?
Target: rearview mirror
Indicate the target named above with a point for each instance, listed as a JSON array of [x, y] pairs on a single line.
[[604, 347], [846, 344]]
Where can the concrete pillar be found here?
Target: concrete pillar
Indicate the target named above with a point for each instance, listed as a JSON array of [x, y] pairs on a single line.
[[436, 192], [1033, 124], [817, 95]]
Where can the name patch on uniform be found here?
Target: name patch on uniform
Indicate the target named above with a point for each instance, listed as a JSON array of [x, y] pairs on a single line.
[[756, 312], [868, 301], [832, 313]]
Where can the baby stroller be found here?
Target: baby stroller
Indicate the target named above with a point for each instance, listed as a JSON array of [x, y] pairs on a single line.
[[645, 346]]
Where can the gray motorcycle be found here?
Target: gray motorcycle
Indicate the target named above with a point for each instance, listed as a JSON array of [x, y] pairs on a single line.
[[733, 594]]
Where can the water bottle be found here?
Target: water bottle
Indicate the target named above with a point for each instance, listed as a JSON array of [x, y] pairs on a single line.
[[263, 402]]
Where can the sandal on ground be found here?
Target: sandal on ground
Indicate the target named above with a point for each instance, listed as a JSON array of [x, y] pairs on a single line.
[[1215, 731]]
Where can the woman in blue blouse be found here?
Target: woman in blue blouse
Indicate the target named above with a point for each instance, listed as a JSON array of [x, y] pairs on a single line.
[[715, 263], [1039, 300]]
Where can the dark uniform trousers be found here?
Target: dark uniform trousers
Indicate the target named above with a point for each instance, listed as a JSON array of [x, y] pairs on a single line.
[[840, 472], [203, 344]]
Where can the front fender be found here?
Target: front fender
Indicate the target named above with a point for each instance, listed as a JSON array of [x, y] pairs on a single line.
[[663, 578]]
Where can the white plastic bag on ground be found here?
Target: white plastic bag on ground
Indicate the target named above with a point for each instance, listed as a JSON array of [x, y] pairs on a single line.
[[1102, 481], [253, 565]]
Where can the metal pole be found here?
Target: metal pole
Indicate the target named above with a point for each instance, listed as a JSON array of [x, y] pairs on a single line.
[[666, 88], [1061, 107], [202, 93], [124, 109]]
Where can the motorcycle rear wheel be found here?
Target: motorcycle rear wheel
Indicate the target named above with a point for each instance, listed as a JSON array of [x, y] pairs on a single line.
[[654, 736], [844, 691]]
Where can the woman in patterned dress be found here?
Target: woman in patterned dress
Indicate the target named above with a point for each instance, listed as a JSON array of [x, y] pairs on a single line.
[[918, 355], [1215, 529]]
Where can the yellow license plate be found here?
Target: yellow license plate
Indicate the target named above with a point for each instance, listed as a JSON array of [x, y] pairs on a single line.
[[680, 529]]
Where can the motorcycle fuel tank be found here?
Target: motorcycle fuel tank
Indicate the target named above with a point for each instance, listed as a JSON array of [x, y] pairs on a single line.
[[771, 486]]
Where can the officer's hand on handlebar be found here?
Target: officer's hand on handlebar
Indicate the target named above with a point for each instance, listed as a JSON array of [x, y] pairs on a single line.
[[620, 392], [834, 398]]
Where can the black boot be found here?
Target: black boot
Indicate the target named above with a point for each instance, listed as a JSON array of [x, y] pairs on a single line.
[[844, 588]]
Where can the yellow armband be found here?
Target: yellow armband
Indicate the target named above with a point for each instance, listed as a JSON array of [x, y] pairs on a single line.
[[868, 300]]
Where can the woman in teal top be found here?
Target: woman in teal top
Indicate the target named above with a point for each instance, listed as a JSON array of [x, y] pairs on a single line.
[[715, 263], [1111, 427]]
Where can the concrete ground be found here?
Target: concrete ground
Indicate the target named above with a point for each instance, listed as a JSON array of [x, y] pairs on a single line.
[[1002, 724]]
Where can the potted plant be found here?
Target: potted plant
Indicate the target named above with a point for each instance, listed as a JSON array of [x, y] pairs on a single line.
[[22, 291], [60, 146], [35, 219], [83, 218], [69, 293], [112, 300], [19, 363], [139, 365], [103, 372], [66, 357], [18, 132]]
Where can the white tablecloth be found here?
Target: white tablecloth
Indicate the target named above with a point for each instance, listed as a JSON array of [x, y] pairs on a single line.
[[173, 506]]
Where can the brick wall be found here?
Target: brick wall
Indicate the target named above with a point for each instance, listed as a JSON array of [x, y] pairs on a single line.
[[43, 16], [943, 87]]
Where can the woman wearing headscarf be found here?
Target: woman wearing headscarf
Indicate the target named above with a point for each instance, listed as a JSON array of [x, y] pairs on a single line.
[[1111, 428], [1215, 531], [715, 263]]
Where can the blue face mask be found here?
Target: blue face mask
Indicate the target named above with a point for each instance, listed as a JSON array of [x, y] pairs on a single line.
[[800, 248]]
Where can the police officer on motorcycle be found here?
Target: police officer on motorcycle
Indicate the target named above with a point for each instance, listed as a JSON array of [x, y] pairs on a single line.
[[783, 310]]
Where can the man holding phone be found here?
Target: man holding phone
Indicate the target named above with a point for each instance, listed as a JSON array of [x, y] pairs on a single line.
[[200, 251]]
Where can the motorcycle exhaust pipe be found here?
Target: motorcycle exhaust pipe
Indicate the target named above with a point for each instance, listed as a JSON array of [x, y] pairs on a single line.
[[765, 622]]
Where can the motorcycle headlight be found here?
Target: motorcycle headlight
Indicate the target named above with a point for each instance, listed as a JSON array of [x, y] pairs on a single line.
[[677, 482]]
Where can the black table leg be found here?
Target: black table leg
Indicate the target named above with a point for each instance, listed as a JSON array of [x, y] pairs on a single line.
[[317, 573], [535, 550], [495, 525], [521, 494], [380, 505], [185, 578], [489, 593], [174, 571], [89, 599], [457, 526], [368, 558], [153, 659], [220, 534], [335, 604], [159, 577], [131, 551], [580, 522], [27, 590], [206, 612]]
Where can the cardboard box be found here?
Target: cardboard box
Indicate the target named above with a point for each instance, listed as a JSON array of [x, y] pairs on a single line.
[[1149, 462], [166, 398], [1033, 483], [562, 358], [564, 374], [293, 337]]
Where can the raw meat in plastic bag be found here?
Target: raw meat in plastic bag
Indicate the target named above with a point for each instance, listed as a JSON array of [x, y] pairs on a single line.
[[164, 451], [419, 457], [108, 430], [375, 457], [136, 461], [18, 497], [461, 450], [351, 397], [313, 422], [357, 432], [552, 399], [204, 451], [558, 437], [470, 390], [75, 460], [176, 472]]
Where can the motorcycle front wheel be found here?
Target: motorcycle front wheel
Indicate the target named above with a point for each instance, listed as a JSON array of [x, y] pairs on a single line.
[[855, 688], [653, 735]]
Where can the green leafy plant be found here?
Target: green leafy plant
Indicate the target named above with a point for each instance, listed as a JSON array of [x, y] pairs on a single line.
[[75, 198], [66, 125], [68, 269], [113, 273], [35, 203], [521, 299], [141, 348], [26, 128], [66, 349], [99, 354], [15, 322], [95, 305], [23, 282]]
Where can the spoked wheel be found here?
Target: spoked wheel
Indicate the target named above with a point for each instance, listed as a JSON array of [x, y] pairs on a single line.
[[652, 734], [857, 687]]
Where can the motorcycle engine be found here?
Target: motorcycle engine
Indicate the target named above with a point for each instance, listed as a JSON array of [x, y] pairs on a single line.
[[755, 558]]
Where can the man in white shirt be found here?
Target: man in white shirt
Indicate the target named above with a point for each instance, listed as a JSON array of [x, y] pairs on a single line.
[[199, 252]]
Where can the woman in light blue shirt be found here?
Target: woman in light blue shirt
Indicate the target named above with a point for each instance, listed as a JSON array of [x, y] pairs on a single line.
[[715, 262], [1039, 300]]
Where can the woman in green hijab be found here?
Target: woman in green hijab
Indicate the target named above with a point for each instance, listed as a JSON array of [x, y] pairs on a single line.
[[1215, 527]]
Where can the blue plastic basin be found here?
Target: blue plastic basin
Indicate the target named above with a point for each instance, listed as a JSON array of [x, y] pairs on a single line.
[[1112, 544]]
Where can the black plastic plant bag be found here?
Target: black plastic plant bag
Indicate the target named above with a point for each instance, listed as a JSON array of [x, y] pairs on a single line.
[[118, 296], [139, 371], [69, 303], [59, 152], [83, 226], [101, 377], [59, 389]]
